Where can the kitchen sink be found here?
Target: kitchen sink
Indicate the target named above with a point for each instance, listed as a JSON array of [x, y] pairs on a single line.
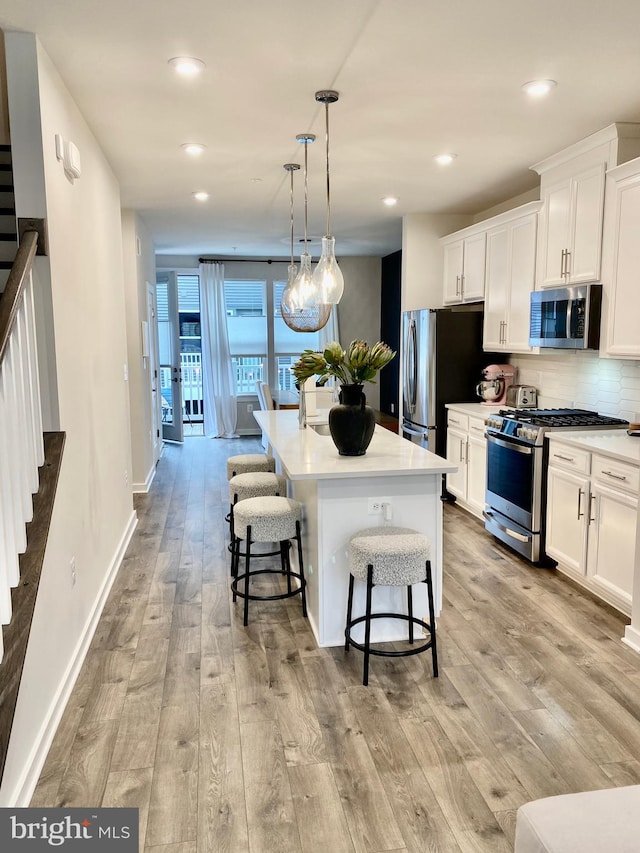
[[321, 429]]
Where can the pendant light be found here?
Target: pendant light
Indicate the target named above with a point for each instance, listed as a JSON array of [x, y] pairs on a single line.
[[300, 308], [328, 277]]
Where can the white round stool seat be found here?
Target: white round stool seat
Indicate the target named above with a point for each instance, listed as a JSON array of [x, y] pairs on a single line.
[[246, 463], [256, 484], [397, 554], [272, 519]]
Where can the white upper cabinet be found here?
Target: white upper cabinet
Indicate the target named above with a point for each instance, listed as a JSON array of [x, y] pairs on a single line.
[[572, 235], [510, 278], [620, 335], [572, 193], [464, 258]]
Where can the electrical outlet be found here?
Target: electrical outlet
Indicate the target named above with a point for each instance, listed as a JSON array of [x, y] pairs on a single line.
[[249, 407], [72, 567], [375, 506]]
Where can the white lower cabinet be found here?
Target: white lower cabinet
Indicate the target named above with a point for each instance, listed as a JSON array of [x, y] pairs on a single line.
[[592, 510], [467, 448]]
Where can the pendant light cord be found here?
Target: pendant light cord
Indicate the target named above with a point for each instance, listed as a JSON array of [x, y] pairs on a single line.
[[306, 147], [326, 114], [291, 207]]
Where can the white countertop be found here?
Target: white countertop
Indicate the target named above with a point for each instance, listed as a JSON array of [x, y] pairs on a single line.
[[306, 455], [612, 442]]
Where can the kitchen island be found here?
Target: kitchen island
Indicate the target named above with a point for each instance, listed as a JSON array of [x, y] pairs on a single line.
[[341, 494]]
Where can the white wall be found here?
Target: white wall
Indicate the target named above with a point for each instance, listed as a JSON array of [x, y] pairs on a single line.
[[4, 107], [139, 268], [93, 516], [423, 257]]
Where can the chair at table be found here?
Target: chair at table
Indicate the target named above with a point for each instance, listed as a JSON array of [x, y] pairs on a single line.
[[266, 404]]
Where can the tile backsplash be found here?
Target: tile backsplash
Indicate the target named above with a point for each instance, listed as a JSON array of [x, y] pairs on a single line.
[[582, 380]]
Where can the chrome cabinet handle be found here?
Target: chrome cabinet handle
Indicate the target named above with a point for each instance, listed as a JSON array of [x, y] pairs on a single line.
[[566, 458], [592, 499], [563, 263], [461, 451], [462, 286], [567, 271], [580, 494], [614, 476], [453, 420], [457, 285]]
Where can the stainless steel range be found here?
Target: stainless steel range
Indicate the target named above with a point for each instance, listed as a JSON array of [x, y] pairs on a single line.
[[516, 467]]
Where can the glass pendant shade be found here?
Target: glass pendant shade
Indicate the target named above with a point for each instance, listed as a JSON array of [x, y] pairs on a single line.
[[298, 311], [327, 277]]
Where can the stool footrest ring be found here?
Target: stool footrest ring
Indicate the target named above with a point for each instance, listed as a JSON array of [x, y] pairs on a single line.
[[278, 597], [414, 650]]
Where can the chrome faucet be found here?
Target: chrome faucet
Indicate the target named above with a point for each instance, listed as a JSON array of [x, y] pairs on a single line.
[[302, 407]]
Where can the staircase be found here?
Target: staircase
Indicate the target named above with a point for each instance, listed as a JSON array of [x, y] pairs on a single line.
[[8, 230], [29, 461]]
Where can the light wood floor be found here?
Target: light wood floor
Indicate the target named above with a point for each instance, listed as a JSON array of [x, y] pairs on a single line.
[[233, 739]]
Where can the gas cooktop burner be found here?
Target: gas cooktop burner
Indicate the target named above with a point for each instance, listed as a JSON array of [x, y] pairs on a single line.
[[562, 418]]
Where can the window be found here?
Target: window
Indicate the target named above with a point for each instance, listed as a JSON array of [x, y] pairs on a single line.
[[246, 307], [263, 348], [287, 344]]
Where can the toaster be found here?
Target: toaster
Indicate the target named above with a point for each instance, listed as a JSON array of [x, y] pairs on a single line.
[[522, 397]]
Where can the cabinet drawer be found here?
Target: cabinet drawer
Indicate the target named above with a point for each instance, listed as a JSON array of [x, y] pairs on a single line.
[[477, 427], [458, 421], [570, 458], [618, 475]]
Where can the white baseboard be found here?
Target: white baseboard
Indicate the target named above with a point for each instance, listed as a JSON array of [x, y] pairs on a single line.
[[143, 488], [23, 791], [632, 638]]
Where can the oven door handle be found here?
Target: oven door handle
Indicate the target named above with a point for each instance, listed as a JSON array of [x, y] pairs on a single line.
[[489, 516], [510, 445]]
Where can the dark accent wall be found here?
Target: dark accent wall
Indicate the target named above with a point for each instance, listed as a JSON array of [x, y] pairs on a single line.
[[390, 330]]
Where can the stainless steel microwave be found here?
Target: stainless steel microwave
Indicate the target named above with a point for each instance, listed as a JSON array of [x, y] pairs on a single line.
[[566, 317]]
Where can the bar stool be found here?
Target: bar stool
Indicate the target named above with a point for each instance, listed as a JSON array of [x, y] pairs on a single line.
[[390, 556], [269, 519], [248, 463], [254, 485]]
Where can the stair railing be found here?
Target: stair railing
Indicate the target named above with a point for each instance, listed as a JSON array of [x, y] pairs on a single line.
[[21, 440]]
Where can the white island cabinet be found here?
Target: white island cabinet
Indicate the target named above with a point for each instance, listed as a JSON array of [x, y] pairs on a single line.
[[339, 493]]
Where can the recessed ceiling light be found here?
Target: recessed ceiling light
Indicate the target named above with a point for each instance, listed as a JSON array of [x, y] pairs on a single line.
[[445, 159], [192, 148], [188, 66], [390, 201], [201, 196], [538, 88]]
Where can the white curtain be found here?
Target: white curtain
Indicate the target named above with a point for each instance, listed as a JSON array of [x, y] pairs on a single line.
[[218, 381], [330, 332]]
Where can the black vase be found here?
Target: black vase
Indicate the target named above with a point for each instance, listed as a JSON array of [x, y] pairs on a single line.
[[352, 422]]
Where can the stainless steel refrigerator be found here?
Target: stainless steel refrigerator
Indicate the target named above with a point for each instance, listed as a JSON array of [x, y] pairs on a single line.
[[442, 363]]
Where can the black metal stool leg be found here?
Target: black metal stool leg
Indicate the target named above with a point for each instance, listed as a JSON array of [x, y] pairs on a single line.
[[432, 620], [303, 583], [410, 611], [246, 578], [367, 625], [286, 562], [349, 611]]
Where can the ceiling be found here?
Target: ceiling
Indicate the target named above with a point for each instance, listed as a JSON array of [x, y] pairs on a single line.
[[415, 78]]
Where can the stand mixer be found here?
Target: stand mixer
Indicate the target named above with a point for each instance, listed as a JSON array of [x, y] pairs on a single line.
[[497, 378]]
